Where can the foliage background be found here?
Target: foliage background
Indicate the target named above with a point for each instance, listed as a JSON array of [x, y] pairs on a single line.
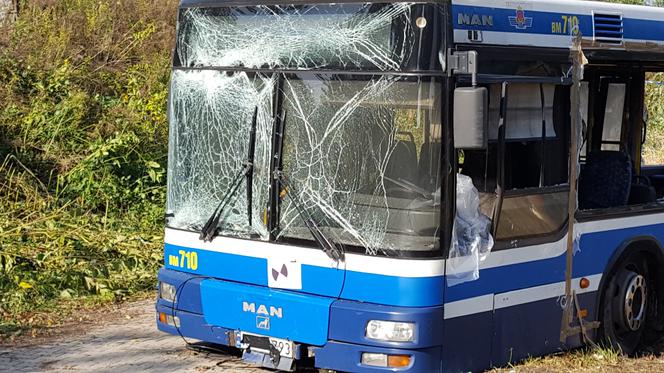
[[83, 136]]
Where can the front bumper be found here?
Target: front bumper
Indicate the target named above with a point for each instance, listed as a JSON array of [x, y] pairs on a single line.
[[341, 350]]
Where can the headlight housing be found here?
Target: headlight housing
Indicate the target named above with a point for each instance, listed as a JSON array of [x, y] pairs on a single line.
[[392, 331], [167, 291]]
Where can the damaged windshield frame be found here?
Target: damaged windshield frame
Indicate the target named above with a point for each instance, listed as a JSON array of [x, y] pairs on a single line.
[[279, 73]]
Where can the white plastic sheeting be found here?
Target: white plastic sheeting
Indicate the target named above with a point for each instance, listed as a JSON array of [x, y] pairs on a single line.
[[471, 236], [211, 116], [303, 37]]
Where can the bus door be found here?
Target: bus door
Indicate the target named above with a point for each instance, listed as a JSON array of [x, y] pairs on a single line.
[[522, 178]]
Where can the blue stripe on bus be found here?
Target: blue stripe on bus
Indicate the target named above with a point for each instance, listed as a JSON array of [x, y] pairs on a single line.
[[393, 290], [634, 28], [596, 251], [220, 265], [541, 21], [639, 29], [360, 286]]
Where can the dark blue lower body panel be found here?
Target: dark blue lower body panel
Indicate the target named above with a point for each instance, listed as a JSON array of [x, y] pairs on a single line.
[[346, 341], [467, 343], [193, 326], [508, 335], [533, 329], [468, 347], [347, 357]]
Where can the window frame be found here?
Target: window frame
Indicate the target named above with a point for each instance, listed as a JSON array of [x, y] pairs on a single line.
[[630, 75], [532, 239]]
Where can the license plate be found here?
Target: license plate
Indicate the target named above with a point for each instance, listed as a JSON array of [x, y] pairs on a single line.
[[285, 347]]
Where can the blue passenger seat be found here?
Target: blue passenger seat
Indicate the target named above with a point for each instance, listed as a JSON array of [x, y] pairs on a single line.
[[605, 180]]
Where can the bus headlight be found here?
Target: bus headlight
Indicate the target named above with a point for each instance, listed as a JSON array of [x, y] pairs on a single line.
[[167, 291], [390, 331]]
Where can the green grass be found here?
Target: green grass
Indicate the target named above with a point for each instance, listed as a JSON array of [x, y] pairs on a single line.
[[587, 360]]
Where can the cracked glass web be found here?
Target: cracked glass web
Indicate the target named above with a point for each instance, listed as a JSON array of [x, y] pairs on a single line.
[[300, 37], [362, 156], [211, 115]]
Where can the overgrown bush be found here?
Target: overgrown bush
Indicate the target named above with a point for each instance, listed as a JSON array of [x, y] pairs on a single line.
[[653, 148], [83, 134]]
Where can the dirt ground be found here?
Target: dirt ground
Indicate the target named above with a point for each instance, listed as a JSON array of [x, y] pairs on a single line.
[[126, 341], [123, 338]]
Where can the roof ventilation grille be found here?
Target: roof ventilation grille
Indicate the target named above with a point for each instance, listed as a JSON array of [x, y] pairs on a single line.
[[608, 28]]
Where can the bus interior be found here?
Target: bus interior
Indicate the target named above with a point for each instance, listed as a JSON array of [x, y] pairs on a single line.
[[614, 176]]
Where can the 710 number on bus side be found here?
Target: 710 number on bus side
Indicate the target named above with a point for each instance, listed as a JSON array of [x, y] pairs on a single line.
[[568, 25], [184, 260]]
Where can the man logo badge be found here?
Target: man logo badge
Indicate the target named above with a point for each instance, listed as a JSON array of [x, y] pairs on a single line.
[[263, 313], [263, 322]]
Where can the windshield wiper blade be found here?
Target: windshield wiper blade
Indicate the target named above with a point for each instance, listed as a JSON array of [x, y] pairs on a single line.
[[250, 159], [326, 244], [210, 228]]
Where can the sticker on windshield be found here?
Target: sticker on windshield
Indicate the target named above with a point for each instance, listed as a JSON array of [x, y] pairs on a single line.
[[284, 274]]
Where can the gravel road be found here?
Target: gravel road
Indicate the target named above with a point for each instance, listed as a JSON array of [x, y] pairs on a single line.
[[128, 342]]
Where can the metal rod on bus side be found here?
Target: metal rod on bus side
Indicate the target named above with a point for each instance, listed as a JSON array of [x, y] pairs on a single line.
[[543, 136], [500, 177], [576, 55]]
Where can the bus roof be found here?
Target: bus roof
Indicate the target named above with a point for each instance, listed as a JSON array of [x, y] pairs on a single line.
[[536, 23], [551, 23]]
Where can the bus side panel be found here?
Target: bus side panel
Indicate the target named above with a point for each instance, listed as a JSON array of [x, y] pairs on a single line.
[[468, 343], [533, 329]]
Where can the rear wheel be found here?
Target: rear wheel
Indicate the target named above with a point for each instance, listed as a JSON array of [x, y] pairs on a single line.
[[625, 305]]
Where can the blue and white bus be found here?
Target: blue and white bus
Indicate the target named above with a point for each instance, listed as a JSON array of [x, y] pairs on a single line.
[[365, 187]]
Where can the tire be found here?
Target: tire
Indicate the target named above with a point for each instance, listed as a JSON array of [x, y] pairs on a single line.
[[625, 303]]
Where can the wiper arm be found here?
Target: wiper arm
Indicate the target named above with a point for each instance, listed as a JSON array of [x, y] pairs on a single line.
[[327, 245], [210, 228]]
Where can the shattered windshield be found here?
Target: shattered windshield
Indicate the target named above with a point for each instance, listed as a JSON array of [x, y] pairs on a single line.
[[364, 156], [362, 149], [345, 36]]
